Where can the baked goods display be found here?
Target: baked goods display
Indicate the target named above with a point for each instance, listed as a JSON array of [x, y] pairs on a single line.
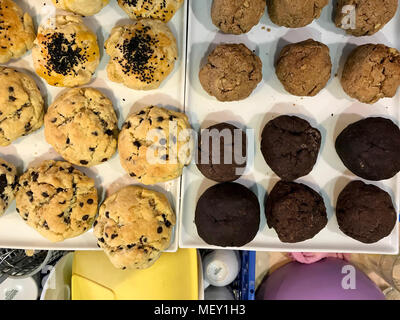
[[162, 10], [372, 72], [22, 105], [134, 226], [227, 215], [290, 146], [222, 152], [295, 211], [295, 13], [8, 184], [365, 212], [82, 126], [238, 16], [57, 200], [231, 73], [82, 7], [370, 148], [17, 32], [369, 16], [155, 145], [65, 52], [304, 68], [142, 54]]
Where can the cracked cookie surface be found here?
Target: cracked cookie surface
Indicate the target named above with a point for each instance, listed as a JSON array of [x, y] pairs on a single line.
[[17, 32], [82, 7], [232, 143], [232, 72], [371, 72], [365, 212], [162, 10], [82, 126], [304, 68], [290, 146], [227, 215], [295, 211], [22, 105], [370, 16], [57, 200], [237, 16], [370, 148], [134, 226], [155, 144], [8, 184], [295, 13]]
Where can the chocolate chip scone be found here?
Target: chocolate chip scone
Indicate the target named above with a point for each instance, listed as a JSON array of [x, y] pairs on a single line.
[[82, 126], [162, 10], [134, 226], [155, 144], [57, 200], [22, 105], [8, 184]]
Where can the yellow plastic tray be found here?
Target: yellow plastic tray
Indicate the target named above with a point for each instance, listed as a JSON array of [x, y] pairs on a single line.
[[173, 277]]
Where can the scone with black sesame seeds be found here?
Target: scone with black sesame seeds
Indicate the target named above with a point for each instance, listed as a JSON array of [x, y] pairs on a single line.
[[142, 54], [57, 200], [82, 7], [82, 127], [134, 226], [21, 105], [65, 52], [162, 10], [155, 144], [8, 184], [17, 32]]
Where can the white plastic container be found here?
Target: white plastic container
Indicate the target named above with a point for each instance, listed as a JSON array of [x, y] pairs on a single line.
[[221, 267]]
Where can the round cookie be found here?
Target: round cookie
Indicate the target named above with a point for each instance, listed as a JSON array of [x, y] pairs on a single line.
[[295, 211], [134, 226], [295, 13], [16, 31], [81, 125], [22, 105], [57, 200], [8, 184], [66, 53], [232, 72], [162, 10], [290, 146], [371, 72], [82, 7], [237, 16], [213, 144], [155, 144], [365, 212], [370, 16], [227, 215], [142, 54], [370, 148], [304, 68]]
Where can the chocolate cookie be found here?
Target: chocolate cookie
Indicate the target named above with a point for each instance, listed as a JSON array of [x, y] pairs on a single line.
[[214, 143], [295, 211], [227, 215], [370, 148], [290, 146], [304, 68], [371, 72], [365, 212], [232, 72]]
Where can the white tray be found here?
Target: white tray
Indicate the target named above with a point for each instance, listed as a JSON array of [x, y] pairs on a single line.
[[330, 111], [110, 176]]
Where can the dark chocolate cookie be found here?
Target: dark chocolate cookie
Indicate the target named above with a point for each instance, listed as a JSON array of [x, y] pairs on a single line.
[[365, 212], [290, 146], [370, 148], [227, 215], [214, 143], [295, 211]]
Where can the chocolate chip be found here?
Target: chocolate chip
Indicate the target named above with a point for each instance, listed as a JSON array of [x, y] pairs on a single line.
[[106, 234], [59, 190], [137, 144], [29, 193], [25, 183], [90, 201], [70, 169], [95, 133], [95, 223], [67, 220], [85, 217], [128, 125], [109, 132], [130, 246], [11, 98], [107, 214], [61, 215], [10, 89], [101, 240], [92, 149], [53, 120], [132, 174], [104, 160], [141, 112], [45, 194], [167, 224], [171, 118], [67, 141], [159, 230], [45, 225], [160, 119], [84, 162], [63, 202], [81, 204], [113, 236], [34, 176]]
